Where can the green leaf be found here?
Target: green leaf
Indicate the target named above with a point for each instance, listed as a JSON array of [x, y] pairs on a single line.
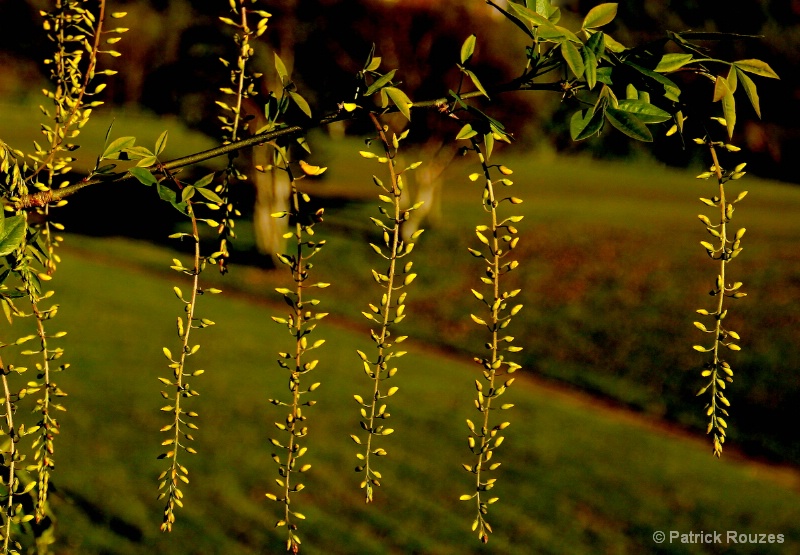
[[600, 15], [187, 193], [147, 161], [372, 62], [673, 62], [612, 44], [210, 195], [488, 141], [161, 143], [564, 32], [545, 8], [546, 29], [750, 89], [12, 234], [281, 69], [629, 124], [182, 208], [573, 58], [468, 48], [204, 181], [380, 82], [590, 67], [720, 88], [113, 150], [596, 44], [165, 193], [513, 18], [143, 175], [584, 124], [138, 152], [108, 134], [301, 103], [476, 82], [400, 100], [756, 67], [644, 111], [729, 112], [466, 132], [604, 75], [731, 78], [671, 90]]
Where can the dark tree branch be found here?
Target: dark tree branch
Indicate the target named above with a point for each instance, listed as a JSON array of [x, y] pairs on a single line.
[[42, 198]]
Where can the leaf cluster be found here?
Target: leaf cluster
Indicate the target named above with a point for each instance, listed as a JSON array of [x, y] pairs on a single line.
[[391, 309], [301, 322], [718, 371], [498, 240]]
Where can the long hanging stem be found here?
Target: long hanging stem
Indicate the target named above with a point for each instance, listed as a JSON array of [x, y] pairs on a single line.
[[386, 303], [719, 436], [177, 471], [719, 370], [391, 309], [65, 121], [301, 322], [49, 426], [12, 459], [499, 239]]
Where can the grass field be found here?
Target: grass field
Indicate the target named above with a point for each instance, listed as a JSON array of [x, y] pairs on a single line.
[[612, 275], [576, 478]]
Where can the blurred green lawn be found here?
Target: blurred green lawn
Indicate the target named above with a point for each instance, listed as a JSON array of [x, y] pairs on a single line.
[[612, 275], [576, 478]]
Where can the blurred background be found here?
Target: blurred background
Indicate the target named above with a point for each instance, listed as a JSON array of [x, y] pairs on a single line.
[[607, 440]]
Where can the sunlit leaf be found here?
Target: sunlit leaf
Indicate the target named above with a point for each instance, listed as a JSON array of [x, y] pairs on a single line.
[[143, 175], [612, 44], [756, 67], [12, 234], [380, 82], [301, 103], [573, 58], [210, 195], [645, 111], [476, 82], [280, 67], [204, 181], [673, 62], [720, 88], [400, 100], [600, 15], [590, 67], [513, 18], [161, 143], [113, 150], [729, 112], [468, 48], [750, 89], [466, 132]]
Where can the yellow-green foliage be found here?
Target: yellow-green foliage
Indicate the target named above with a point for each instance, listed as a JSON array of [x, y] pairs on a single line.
[[391, 309], [724, 248], [606, 83]]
